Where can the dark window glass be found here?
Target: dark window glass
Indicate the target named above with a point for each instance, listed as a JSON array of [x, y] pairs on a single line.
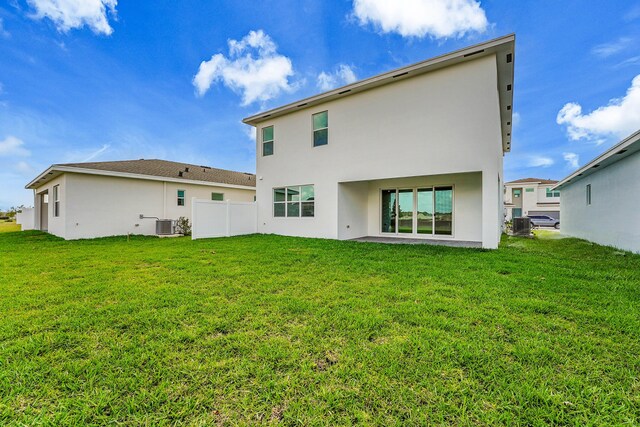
[[443, 210], [278, 209], [320, 129], [308, 209], [293, 209]]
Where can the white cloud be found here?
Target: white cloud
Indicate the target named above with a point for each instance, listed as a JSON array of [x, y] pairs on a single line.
[[12, 146], [572, 160], [419, 18], [607, 49], [96, 153], [619, 118], [343, 75], [70, 14], [250, 132], [253, 69], [24, 168], [540, 162], [4, 33]]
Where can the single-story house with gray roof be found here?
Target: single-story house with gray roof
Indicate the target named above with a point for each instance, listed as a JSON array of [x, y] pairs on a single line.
[[98, 199], [600, 201]]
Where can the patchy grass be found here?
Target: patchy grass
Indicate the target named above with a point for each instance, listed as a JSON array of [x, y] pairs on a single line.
[[8, 226], [268, 329]]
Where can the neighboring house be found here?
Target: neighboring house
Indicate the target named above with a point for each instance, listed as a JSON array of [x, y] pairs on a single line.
[[413, 153], [601, 200], [86, 200], [531, 196]]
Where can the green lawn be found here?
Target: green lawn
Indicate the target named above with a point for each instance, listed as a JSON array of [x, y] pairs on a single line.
[[268, 329], [6, 227]]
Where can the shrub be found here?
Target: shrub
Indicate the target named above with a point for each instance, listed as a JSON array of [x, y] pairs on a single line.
[[183, 226]]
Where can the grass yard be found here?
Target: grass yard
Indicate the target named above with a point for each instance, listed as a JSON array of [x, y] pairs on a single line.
[[7, 226], [268, 329]]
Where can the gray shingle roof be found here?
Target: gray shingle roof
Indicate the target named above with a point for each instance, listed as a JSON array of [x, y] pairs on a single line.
[[164, 168], [526, 180]]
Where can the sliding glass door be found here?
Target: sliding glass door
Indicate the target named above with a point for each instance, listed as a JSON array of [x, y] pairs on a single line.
[[389, 211], [405, 211], [418, 211], [443, 216], [425, 211]]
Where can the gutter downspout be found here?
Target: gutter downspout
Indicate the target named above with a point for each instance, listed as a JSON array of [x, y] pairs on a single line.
[[164, 199]]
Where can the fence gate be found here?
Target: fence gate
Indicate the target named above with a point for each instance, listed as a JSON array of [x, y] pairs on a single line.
[[222, 219]]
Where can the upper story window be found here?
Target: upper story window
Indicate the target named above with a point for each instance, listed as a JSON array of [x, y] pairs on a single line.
[[321, 128], [588, 194], [517, 193], [218, 197], [181, 197], [294, 202], [555, 193], [56, 200], [267, 141]]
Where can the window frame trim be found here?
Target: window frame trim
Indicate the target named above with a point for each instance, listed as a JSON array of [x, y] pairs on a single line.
[[313, 131], [56, 200], [272, 141], [415, 234], [285, 202]]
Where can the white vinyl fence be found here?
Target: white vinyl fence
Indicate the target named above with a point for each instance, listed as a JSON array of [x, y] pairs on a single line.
[[220, 219], [26, 218]]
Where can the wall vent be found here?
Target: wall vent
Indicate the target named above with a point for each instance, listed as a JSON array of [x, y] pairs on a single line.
[[509, 58], [621, 151], [344, 91], [401, 74], [473, 53]]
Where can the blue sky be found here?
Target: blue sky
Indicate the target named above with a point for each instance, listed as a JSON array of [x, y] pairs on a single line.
[[92, 80]]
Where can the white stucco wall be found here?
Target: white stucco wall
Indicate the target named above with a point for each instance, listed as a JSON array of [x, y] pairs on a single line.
[[56, 225], [98, 206], [612, 218], [442, 122]]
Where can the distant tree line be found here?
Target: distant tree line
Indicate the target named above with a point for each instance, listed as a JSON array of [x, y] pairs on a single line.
[[10, 214]]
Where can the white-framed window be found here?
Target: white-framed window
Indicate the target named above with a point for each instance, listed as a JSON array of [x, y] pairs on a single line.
[[588, 194], [181, 194], [320, 128], [267, 141], [421, 211], [56, 200], [294, 202], [218, 197]]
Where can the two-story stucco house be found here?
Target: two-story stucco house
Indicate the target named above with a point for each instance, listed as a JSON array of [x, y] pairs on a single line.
[[97, 199], [413, 153], [531, 196]]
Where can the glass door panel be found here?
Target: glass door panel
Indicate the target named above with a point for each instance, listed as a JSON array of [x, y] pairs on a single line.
[[425, 211], [443, 217], [405, 211], [388, 211]]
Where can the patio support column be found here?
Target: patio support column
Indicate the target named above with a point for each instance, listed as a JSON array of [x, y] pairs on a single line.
[[490, 210]]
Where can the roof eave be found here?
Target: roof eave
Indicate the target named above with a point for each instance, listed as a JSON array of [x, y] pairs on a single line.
[[71, 169], [593, 165], [505, 82]]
